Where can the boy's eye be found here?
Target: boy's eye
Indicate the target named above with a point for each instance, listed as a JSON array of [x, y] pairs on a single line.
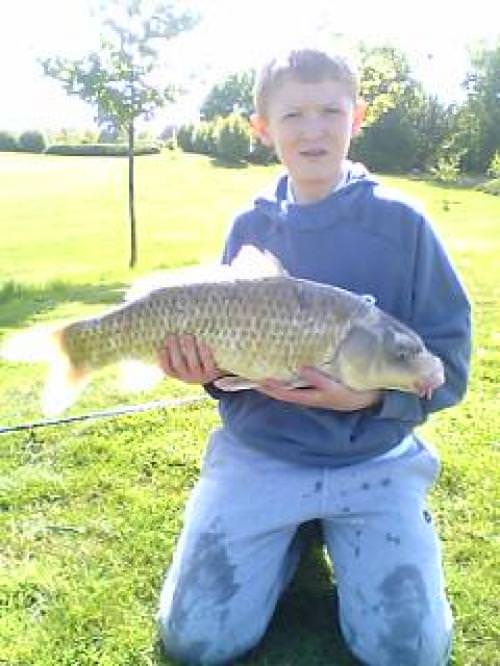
[[290, 114], [333, 110]]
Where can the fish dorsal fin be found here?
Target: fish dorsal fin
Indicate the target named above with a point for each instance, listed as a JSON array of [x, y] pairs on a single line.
[[250, 262], [176, 277]]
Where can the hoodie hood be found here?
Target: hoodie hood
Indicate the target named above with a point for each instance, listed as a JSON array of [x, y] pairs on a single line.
[[274, 203]]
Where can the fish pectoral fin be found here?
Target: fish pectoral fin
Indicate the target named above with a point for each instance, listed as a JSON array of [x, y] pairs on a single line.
[[139, 376], [234, 383]]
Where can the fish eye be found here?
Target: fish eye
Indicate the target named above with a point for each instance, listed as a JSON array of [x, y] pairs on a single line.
[[369, 299], [407, 352], [403, 354]]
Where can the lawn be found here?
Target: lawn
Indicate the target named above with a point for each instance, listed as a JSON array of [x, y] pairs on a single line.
[[90, 512]]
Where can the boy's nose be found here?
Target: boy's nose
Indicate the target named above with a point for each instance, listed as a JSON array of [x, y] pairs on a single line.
[[312, 127]]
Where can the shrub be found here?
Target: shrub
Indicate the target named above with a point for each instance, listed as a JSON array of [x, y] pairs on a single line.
[[32, 141], [8, 142], [205, 138], [447, 169], [88, 137], [63, 135], [109, 135], [185, 137], [494, 168], [233, 138], [171, 144], [101, 149], [260, 154]]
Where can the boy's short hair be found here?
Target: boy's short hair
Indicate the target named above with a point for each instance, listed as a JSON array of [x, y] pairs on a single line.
[[308, 65]]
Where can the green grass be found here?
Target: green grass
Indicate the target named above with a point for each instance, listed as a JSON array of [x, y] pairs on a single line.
[[90, 512]]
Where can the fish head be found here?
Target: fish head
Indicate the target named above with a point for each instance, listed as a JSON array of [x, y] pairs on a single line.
[[380, 352]]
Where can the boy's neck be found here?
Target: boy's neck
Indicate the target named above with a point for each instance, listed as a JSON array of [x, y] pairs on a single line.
[[314, 191]]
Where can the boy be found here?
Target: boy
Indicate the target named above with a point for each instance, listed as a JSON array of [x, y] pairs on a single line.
[[285, 456]]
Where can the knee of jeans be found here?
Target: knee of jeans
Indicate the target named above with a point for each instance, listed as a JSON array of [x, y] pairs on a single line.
[[432, 651], [432, 648], [412, 632], [186, 649], [193, 647]]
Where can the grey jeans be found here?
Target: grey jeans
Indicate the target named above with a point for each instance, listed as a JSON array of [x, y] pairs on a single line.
[[237, 552]]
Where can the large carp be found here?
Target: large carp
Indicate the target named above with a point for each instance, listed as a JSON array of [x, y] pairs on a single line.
[[258, 326]]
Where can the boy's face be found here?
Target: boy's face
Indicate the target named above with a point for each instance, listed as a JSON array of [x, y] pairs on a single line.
[[310, 126]]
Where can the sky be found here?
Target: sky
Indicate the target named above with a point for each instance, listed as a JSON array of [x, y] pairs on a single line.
[[232, 35]]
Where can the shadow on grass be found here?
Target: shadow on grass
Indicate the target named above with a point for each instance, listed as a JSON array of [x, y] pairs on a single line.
[[228, 164], [304, 630], [20, 302], [463, 181]]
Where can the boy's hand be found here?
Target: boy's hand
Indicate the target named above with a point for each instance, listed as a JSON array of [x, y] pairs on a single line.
[[323, 392], [189, 360]]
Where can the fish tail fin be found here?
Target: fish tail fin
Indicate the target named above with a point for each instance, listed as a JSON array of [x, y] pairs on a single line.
[[64, 381], [36, 345]]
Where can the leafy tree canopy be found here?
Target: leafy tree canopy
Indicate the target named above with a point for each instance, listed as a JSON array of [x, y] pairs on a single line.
[[234, 93], [478, 123], [116, 78]]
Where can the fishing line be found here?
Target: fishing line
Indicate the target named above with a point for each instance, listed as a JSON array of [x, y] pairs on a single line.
[[107, 413]]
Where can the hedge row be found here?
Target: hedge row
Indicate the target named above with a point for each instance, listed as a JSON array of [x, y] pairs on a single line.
[[34, 141], [102, 149]]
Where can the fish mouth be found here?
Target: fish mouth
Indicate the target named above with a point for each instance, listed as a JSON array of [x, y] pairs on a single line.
[[424, 388]]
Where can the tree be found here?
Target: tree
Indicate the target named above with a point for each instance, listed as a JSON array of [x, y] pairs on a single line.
[[389, 141], [116, 80], [477, 133], [235, 93], [385, 80], [405, 127], [433, 122], [389, 144]]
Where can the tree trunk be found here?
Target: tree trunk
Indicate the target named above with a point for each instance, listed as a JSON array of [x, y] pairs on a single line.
[[131, 207]]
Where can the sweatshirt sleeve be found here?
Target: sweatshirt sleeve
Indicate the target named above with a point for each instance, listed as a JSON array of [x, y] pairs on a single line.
[[441, 315]]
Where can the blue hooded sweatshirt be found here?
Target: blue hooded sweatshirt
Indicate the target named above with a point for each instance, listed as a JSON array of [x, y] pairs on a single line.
[[369, 240]]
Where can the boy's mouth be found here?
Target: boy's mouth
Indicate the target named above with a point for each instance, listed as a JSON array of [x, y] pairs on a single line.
[[314, 152]]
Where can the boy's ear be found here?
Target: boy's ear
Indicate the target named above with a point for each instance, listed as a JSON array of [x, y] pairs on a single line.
[[260, 128], [358, 117]]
